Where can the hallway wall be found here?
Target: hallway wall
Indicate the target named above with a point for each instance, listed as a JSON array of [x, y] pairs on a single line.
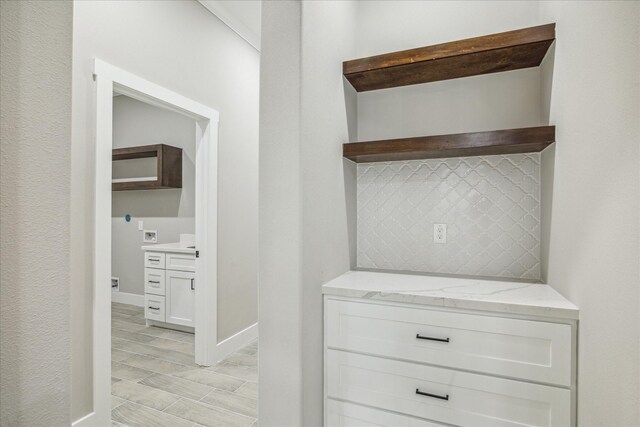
[[35, 130], [183, 47], [594, 215]]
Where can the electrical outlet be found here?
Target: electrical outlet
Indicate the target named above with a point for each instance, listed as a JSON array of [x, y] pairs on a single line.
[[140, 225], [439, 233], [115, 284]]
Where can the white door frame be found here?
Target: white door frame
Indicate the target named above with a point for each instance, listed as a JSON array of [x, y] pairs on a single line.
[[109, 79]]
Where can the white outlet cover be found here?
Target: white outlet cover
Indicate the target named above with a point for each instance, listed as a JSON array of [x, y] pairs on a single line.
[[439, 233], [150, 236], [140, 225]]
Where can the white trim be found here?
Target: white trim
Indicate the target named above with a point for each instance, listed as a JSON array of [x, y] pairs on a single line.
[[236, 25], [237, 341], [86, 421], [109, 79], [128, 298]]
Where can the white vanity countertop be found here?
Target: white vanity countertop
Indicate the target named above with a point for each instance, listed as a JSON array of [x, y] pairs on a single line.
[[529, 299], [178, 247]]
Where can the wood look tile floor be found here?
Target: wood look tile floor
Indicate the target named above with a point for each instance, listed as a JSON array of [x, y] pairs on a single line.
[[155, 381]]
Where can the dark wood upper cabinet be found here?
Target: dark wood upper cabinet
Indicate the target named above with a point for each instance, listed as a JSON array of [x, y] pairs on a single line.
[[510, 141], [511, 50], [169, 169]]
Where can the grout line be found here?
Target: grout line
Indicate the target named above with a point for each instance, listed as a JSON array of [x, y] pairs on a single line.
[[181, 397], [218, 408]]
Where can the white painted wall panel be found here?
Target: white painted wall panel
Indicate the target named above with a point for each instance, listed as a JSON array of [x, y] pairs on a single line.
[[35, 129]]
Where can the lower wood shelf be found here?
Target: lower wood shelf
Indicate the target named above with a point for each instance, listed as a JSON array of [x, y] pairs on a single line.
[[509, 141]]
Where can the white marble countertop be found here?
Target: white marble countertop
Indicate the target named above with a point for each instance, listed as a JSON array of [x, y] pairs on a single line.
[[530, 299], [178, 247]]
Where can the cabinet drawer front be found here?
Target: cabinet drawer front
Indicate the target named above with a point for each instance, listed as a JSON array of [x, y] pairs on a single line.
[[154, 307], [154, 281], [535, 351], [473, 399], [154, 259], [343, 414], [182, 262]]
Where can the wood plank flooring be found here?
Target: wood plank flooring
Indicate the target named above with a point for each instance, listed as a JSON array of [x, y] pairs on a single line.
[[156, 382]]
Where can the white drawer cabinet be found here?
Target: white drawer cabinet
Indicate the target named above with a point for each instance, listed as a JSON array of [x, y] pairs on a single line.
[[397, 364], [448, 395], [154, 281], [523, 349], [169, 285], [154, 260], [154, 307]]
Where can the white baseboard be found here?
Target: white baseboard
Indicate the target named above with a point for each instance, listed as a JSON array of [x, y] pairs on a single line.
[[127, 298], [86, 421], [237, 341]]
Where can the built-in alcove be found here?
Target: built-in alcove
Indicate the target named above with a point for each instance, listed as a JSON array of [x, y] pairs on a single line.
[[437, 148]]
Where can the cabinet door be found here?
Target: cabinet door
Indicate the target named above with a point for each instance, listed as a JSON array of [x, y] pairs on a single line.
[[180, 297]]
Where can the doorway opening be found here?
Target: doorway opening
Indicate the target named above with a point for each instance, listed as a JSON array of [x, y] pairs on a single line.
[[190, 308]]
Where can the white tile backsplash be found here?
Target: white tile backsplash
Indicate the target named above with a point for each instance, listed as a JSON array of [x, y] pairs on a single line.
[[491, 205]]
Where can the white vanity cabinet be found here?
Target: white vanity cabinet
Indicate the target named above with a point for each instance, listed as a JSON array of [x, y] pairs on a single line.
[[170, 285], [428, 351]]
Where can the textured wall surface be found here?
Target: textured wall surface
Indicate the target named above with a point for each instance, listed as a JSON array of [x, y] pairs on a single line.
[[491, 206], [594, 219], [304, 213], [184, 48], [170, 212], [35, 69]]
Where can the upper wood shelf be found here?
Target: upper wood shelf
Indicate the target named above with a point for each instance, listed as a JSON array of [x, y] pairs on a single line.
[[169, 170], [494, 53], [510, 141]]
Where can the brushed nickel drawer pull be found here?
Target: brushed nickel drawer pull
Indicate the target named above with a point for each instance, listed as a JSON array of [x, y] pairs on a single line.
[[154, 308]]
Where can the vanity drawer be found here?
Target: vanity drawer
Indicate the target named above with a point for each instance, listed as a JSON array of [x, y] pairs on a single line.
[[181, 262], [451, 396], [154, 259], [154, 307], [154, 281], [344, 414], [529, 350]]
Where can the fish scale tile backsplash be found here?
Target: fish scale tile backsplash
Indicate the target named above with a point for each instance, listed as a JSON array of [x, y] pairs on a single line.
[[491, 205]]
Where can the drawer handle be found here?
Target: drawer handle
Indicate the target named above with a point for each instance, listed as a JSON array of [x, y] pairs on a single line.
[[154, 259], [193, 284], [420, 337], [154, 308], [154, 281], [436, 396]]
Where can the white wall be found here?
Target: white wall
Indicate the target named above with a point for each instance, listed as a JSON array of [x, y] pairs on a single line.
[[183, 47], [594, 217], [304, 213], [35, 129], [172, 211]]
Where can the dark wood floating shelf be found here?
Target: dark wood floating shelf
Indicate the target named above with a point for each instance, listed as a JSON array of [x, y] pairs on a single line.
[[512, 50], [510, 141], [169, 172]]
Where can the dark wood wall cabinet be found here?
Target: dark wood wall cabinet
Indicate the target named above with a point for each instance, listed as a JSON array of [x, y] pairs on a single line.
[[511, 50], [169, 171], [510, 141]]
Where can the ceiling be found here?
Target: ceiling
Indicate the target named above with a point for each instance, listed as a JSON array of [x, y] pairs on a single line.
[[242, 16]]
